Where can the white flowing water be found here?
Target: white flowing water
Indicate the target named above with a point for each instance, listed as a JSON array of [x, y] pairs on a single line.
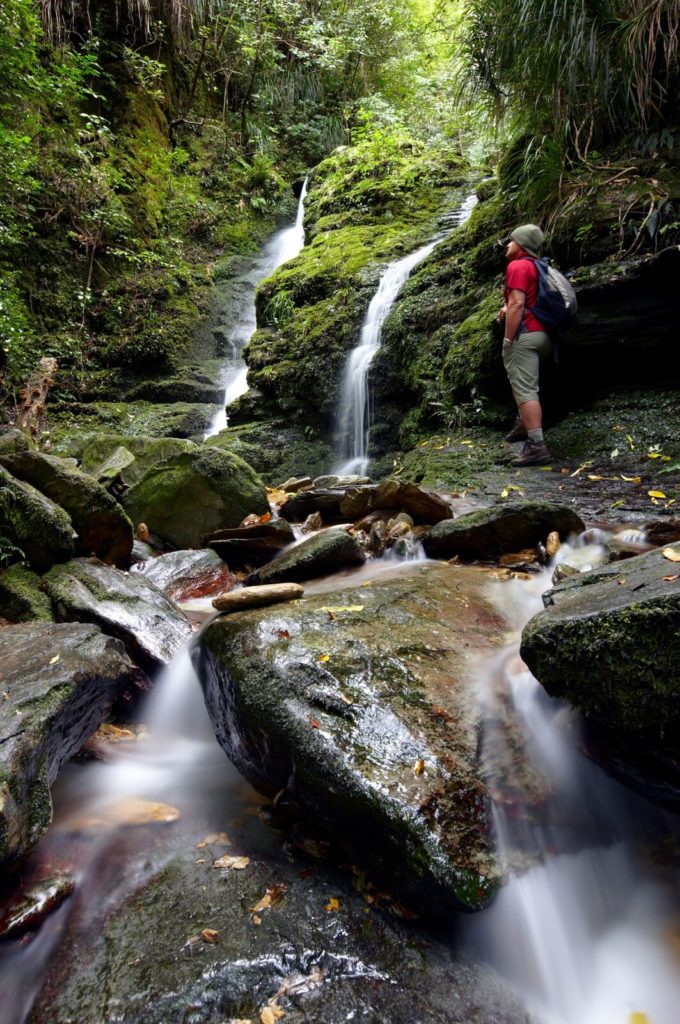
[[282, 247], [584, 928], [354, 416]]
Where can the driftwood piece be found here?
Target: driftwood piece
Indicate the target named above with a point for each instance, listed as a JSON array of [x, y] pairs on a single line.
[[33, 397]]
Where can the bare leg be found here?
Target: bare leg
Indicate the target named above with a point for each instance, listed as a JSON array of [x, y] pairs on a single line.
[[532, 415]]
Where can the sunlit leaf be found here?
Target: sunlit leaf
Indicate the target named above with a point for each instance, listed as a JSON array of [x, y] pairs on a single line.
[[671, 554], [419, 767], [54, 659], [656, 494], [332, 905], [631, 479], [325, 657], [237, 863], [210, 936]]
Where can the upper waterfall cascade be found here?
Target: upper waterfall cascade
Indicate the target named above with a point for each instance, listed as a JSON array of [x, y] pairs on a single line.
[[354, 414], [282, 247]]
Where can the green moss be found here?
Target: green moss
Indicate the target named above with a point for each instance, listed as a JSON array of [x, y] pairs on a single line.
[[21, 599]]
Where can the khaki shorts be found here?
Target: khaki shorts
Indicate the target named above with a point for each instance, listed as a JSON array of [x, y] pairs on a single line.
[[522, 358]]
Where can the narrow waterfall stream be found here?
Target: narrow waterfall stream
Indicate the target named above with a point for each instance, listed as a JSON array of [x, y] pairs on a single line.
[[584, 930], [282, 247], [354, 416]]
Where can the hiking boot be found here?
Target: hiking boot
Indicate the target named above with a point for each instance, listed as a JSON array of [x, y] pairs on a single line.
[[518, 432], [533, 454]]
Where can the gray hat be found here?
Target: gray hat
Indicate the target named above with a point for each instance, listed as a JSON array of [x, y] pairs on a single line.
[[528, 237]]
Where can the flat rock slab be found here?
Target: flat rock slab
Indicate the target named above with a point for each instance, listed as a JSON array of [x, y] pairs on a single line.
[[101, 524], [251, 545], [501, 529], [609, 643], [129, 607], [185, 575], [362, 706], [318, 555], [324, 500], [58, 681], [258, 597]]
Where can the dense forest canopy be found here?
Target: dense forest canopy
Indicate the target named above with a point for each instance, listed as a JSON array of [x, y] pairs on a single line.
[[128, 129]]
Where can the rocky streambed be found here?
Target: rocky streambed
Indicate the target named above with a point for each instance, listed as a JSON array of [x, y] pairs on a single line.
[[167, 889]]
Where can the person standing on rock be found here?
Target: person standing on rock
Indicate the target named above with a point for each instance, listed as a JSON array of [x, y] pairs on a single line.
[[526, 342]]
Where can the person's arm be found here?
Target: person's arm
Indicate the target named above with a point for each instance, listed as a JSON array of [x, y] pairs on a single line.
[[514, 313]]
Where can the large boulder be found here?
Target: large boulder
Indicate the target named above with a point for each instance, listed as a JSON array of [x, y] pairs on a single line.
[[58, 681], [126, 606], [102, 526], [608, 641], [501, 529], [39, 528], [194, 493], [183, 575], [251, 545], [325, 500], [318, 555], [23, 597], [363, 708]]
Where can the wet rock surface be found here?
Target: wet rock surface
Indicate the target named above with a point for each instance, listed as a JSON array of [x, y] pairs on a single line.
[[608, 641], [194, 493], [22, 597], [183, 575], [58, 681], [129, 607], [501, 529], [318, 555], [363, 709], [423, 506], [251, 545]]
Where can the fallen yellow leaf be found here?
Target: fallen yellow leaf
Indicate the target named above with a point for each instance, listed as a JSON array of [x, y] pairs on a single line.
[[325, 657], [656, 494], [419, 767], [332, 905], [210, 936], [237, 863], [592, 476], [54, 659], [344, 608], [671, 554]]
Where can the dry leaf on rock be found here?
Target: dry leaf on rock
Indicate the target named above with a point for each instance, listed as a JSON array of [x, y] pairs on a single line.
[[325, 657], [656, 494], [271, 1014], [670, 579], [211, 936], [214, 839], [419, 767], [237, 863], [315, 724], [671, 554], [332, 905]]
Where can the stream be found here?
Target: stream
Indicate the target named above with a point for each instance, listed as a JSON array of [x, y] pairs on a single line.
[[583, 930]]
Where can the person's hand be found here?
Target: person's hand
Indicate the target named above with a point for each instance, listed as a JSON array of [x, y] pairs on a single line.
[[501, 313]]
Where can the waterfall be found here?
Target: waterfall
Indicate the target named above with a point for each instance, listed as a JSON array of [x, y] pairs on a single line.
[[282, 247], [354, 414]]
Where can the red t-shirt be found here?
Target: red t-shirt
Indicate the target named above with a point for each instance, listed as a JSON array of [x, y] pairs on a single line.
[[521, 274]]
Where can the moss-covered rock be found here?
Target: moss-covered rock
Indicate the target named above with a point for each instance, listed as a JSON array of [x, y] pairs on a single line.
[[194, 493], [69, 422], [22, 596], [319, 555], [38, 528], [502, 528], [101, 524], [275, 448]]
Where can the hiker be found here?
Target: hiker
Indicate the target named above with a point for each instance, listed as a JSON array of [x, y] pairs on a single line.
[[526, 342]]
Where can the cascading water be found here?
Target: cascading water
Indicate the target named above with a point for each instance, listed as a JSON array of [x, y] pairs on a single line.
[[354, 416], [282, 247], [582, 927]]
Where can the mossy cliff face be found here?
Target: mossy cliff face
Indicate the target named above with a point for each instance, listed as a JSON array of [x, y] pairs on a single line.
[[364, 210]]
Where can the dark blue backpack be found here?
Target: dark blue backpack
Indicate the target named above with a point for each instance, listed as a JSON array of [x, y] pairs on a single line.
[[556, 306]]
